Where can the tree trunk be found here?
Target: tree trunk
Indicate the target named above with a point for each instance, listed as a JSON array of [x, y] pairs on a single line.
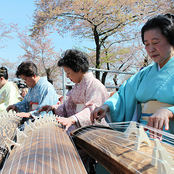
[[115, 81], [105, 74], [104, 77], [96, 37]]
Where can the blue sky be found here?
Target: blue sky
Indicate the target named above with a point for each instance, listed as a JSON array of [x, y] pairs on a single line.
[[20, 12]]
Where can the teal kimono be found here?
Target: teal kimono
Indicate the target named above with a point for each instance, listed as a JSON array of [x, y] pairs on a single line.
[[148, 84]]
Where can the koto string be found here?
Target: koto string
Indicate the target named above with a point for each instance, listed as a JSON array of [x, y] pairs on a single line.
[[112, 141], [75, 155], [166, 134], [20, 158], [10, 135], [123, 124], [63, 153], [56, 149], [118, 143], [121, 144], [50, 150], [141, 143], [34, 168], [107, 150], [29, 152], [43, 151], [12, 160], [11, 167], [3, 143], [68, 151], [19, 152], [119, 123]]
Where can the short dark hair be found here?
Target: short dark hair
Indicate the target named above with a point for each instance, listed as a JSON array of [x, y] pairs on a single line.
[[164, 24], [27, 68], [3, 72], [170, 16], [74, 59]]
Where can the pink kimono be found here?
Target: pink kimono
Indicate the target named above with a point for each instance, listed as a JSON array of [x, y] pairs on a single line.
[[88, 94]]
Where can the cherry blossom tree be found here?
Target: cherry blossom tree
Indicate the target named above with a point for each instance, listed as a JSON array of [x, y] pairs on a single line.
[[5, 32], [95, 20], [41, 51]]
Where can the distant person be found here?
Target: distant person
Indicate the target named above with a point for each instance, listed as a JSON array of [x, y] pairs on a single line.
[[21, 85], [9, 91], [24, 91], [40, 91]]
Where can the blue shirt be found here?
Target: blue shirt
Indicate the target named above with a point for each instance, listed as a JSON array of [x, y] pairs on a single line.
[[42, 93]]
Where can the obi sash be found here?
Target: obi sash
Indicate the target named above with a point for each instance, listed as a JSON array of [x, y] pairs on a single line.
[[33, 106], [79, 107], [151, 107]]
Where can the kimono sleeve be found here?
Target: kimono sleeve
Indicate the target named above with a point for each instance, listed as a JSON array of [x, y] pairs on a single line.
[[22, 106], [171, 109], [8, 96], [123, 103], [66, 109], [48, 96], [96, 95], [11, 97]]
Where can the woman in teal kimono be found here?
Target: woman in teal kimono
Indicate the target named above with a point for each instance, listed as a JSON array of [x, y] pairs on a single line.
[[153, 83]]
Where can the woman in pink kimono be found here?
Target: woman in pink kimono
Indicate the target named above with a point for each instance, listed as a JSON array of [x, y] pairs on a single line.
[[87, 94]]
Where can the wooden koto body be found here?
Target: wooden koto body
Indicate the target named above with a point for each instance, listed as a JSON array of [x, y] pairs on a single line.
[[44, 148], [115, 152], [8, 125]]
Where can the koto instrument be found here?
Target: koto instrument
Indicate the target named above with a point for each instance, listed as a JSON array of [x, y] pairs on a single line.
[[43, 147], [8, 124], [126, 148]]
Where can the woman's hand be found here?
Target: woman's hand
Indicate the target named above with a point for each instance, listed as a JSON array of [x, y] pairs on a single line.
[[99, 112], [24, 114], [12, 107], [157, 120], [46, 108], [67, 122]]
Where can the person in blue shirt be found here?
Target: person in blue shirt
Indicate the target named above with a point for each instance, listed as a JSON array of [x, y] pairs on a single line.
[[40, 92]]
